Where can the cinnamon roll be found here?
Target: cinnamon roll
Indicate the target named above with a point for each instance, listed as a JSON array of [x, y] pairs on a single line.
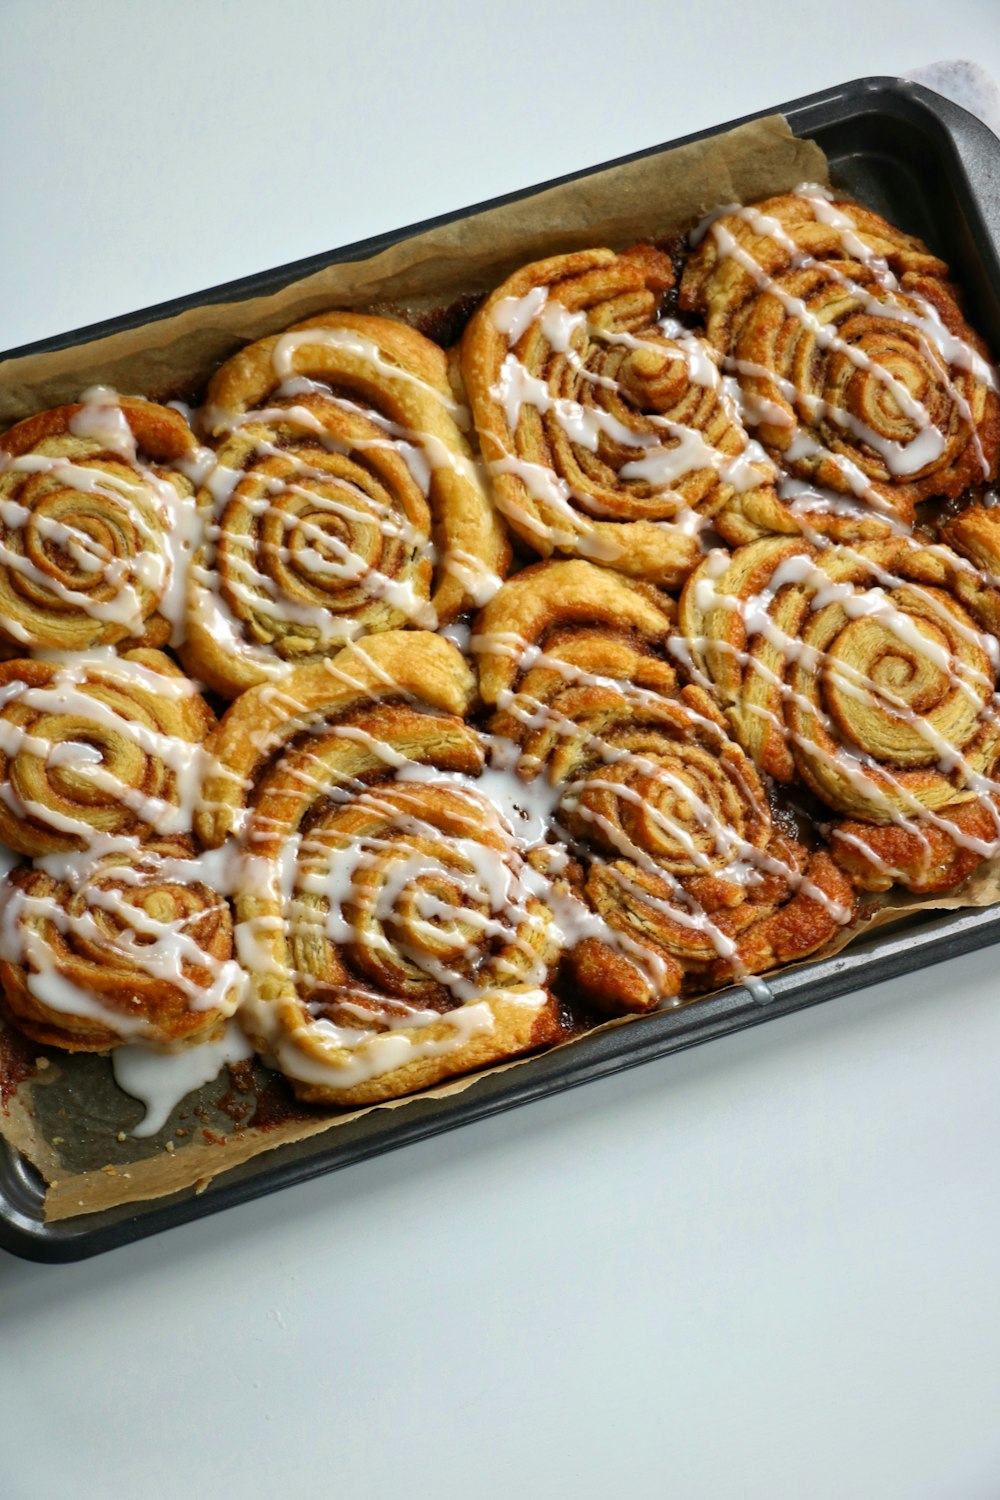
[[128, 946], [345, 500], [680, 859], [97, 746], [868, 672], [613, 800], [388, 921], [858, 370], [607, 430], [95, 520], [397, 666]]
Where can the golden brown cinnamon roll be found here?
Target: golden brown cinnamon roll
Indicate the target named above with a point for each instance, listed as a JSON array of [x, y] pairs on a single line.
[[397, 666], [345, 500], [97, 746], [607, 435], [389, 922], [857, 368], [94, 522], [557, 625], [868, 672], [130, 946], [680, 858], [735, 248]]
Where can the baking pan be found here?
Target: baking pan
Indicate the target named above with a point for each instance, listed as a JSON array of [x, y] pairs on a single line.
[[875, 132]]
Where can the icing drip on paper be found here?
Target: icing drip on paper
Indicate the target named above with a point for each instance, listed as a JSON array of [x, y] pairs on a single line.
[[160, 1080]]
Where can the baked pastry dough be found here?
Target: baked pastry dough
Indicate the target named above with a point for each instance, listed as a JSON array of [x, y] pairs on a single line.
[[679, 854], [857, 368], [345, 500], [387, 922], [97, 746], [868, 672], [95, 514], [132, 946], [447, 844], [607, 435]]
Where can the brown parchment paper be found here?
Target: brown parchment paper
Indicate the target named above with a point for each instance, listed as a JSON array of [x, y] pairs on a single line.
[[64, 1112], [656, 196]]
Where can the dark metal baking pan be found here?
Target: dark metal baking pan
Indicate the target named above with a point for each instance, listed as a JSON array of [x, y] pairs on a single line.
[[930, 168]]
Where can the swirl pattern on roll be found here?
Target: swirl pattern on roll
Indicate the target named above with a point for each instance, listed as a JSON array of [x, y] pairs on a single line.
[[607, 430], [869, 672], [131, 946], [389, 924], [858, 370], [93, 512], [98, 746], [345, 500], [607, 800], [677, 846]]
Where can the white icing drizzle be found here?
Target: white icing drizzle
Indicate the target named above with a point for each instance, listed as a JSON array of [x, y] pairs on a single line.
[[459, 632], [805, 502], [364, 349], [665, 458], [154, 946], [494, 903], [350, 1056], [495, 888], [66, 695], [163, 514], [476, 913], [944, 351], [741, 862], [867, 775], [327, 558], [160, 1079]]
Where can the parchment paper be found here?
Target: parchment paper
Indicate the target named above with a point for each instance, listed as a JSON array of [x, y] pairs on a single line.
[[64, 1112], [650, 198]]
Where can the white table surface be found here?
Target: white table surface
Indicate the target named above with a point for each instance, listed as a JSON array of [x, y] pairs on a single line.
[[764, 1268]]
